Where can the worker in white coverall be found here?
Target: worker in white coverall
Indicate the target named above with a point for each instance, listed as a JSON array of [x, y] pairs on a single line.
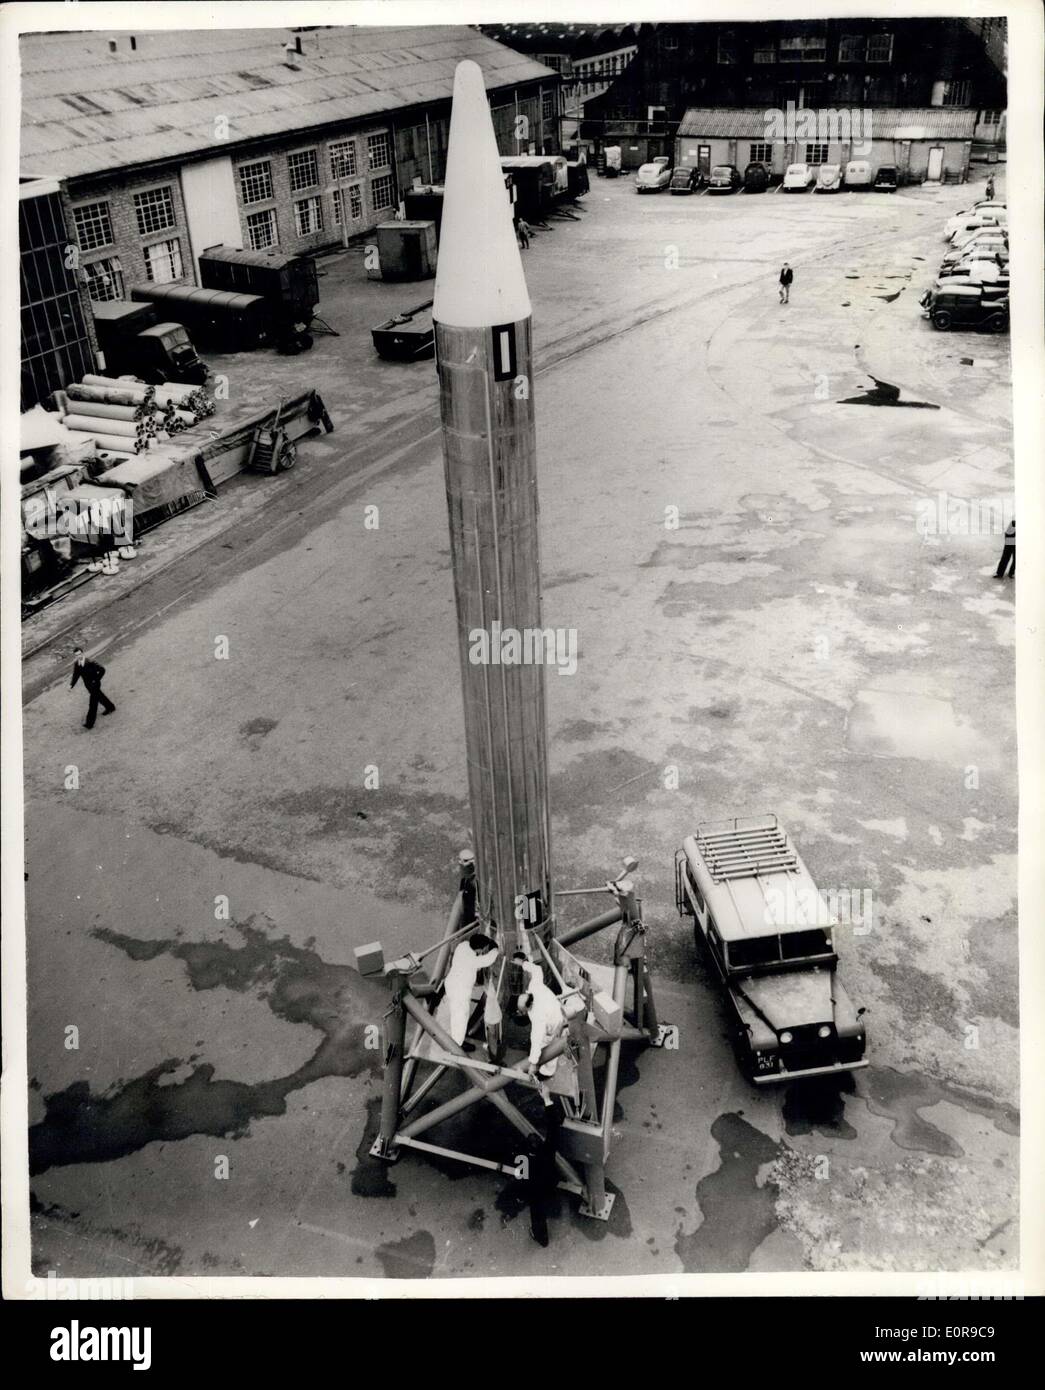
[[469, 958], [547, 1021]]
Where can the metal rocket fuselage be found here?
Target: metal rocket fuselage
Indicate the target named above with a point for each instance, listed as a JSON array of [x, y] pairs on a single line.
[[489, 450]]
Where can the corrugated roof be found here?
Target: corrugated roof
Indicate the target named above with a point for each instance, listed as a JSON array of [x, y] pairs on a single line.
[[87, 110], [887, 122]]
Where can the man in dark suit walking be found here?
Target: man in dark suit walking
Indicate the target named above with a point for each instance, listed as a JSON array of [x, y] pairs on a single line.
[[1007, 563], [91, 673]]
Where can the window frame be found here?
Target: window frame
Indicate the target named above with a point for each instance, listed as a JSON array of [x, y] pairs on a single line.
[[802, 53], [164, 189], [382, 135], [292, 155], [334, 154], [761, 158], [726, 57], [172, 246], [273, 223], [115, 272], [811, 160], [315, 205], [388, 178], [244, 177], [872, 39], [84, 208]]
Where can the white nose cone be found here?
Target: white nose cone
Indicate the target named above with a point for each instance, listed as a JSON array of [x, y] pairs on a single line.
[[479, 278]]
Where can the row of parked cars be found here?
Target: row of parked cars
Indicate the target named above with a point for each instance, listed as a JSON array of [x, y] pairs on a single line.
[[756, 178], [971, 289]]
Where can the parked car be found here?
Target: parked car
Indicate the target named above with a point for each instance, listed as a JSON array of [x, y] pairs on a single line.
[[953, 223], [976, 222], [949, 306], [978, 272], [887, 180], [858, 174], [986, 239], [652, 177], [799, 177], [725, 178], [759, 917], [684, 179], [829, 178], [756, 178]]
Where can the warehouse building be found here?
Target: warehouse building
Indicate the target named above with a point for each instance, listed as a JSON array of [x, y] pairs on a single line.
[[165, 143], [923, 144]]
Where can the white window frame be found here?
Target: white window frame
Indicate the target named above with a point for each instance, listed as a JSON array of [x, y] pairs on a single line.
[[766, 158], [392, 199], [143, 210], [114, 270], [248, 181], [293, 168], [876, 40], [804, 48], [355, 203], [961, 87], [343, 150], [273, 223], [765, 53], [816, 154], [370, 142], [857, 48], [102, 220], [314, 204], [174, 264]]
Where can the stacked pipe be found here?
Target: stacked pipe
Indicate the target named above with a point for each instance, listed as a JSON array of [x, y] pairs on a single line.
[[129, 416]]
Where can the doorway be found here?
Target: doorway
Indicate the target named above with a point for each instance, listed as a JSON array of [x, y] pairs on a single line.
[[935, 170]]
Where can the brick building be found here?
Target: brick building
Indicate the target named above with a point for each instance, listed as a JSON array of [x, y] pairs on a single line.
[[165, 143], [887, 64]]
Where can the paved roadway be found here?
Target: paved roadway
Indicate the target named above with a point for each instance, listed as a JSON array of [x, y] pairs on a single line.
[[796, 645]]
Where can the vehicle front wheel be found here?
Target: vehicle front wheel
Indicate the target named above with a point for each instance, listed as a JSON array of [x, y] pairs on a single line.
[[997, 323], [942, 320]]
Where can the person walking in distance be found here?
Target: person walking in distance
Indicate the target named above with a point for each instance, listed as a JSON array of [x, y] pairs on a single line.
[[786, 277], [1007, 563], [522, 231], [990, 188], [91, 673]]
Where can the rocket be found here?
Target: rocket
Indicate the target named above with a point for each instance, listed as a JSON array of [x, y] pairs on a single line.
[[484, 353]]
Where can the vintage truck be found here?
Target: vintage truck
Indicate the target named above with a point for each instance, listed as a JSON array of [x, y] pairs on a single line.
[[769, 936]]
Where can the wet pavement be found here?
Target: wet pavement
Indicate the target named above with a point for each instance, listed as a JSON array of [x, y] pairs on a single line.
[[795, 644]]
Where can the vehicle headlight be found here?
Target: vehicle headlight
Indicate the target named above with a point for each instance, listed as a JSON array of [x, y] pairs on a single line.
[[823, 1032], [785, 1036]]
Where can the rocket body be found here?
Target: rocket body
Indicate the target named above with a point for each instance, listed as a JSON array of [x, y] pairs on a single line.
[[484, 355]]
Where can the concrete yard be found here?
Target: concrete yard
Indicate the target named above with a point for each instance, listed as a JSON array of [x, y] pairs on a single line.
[[796, 644]]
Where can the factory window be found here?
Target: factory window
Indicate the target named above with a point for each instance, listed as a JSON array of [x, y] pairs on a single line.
[[93, 226], [727, 47], [880, 48], [761, 154], [803, 48], [851, 48], [956, 93], [154, 210], [382, 192], [355, 204], [378, 151], [816, 154], [104, 279], [308, 216], [547, 105], [255, 181], [304, 171], [163, 262], [261, 229], [765, 53], [990, 118], [343, 159]]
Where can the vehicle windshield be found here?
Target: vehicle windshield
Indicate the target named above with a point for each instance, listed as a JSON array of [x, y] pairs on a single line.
[[758, 950], [721, 171]]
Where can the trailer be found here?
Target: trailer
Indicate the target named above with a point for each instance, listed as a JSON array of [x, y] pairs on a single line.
[[406, 337], [218, 319], [288, 284]]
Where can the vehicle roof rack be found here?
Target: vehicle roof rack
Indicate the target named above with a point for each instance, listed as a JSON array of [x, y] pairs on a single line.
[[746, 851]]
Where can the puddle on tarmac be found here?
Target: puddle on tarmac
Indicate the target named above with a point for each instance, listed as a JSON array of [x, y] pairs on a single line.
[[883, 392], [738, 1214]]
